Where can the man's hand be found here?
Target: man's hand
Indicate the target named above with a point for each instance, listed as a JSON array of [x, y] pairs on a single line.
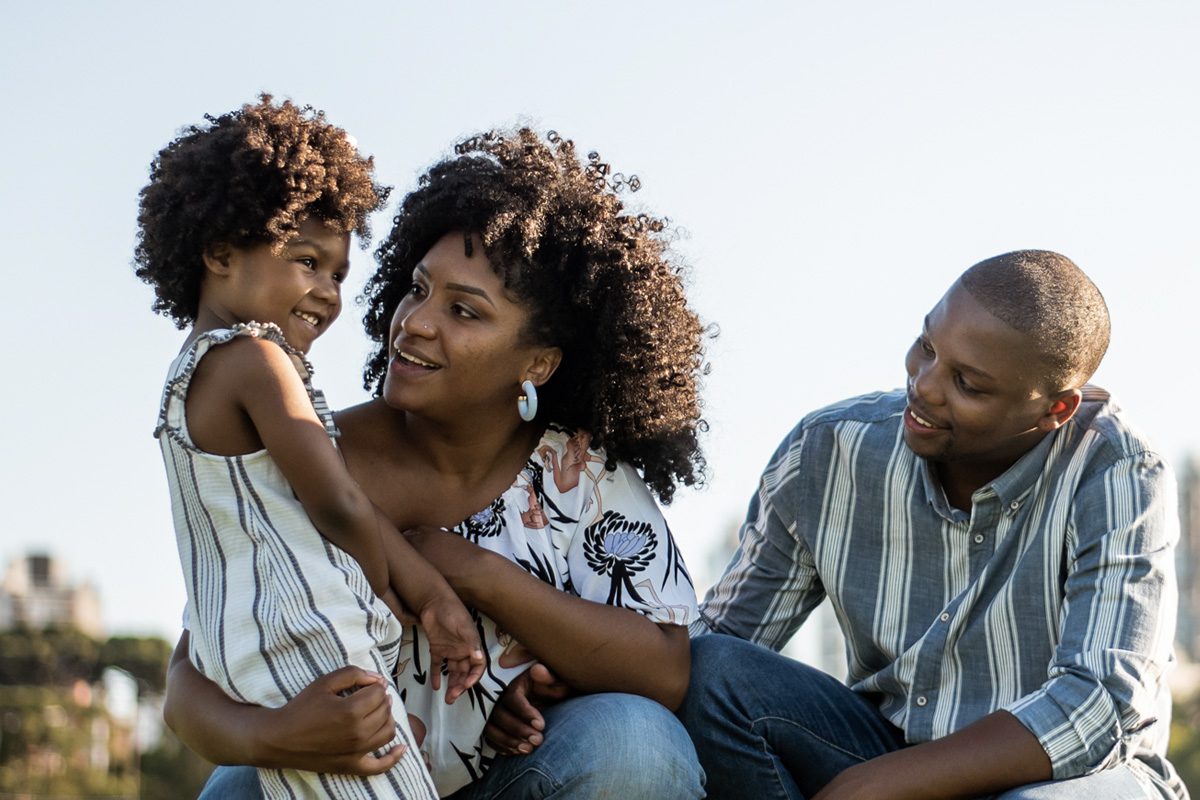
[[516, 724]]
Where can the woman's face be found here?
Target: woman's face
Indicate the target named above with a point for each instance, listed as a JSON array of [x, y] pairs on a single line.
[[456, 340]]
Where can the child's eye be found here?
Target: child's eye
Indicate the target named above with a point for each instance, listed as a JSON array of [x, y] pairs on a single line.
[[339, 277], [309, 263]]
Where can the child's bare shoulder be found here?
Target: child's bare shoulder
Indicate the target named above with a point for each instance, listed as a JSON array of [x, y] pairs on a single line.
[[249, 360]]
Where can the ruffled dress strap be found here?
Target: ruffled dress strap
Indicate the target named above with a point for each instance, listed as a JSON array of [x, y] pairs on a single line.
[[171, 417]]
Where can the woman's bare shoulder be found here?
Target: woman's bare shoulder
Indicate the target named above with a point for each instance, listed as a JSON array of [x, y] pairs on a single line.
[[369, 426]]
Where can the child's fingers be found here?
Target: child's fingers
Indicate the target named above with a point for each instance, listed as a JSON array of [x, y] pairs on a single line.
[[435, 673], [474, 673]]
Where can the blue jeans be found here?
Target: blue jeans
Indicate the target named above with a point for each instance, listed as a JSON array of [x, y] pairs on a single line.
[[767, 726], [598, 745]]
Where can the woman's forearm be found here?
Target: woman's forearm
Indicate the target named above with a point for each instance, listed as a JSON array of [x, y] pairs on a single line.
[[208, 721], [592, 646], [335, 724]]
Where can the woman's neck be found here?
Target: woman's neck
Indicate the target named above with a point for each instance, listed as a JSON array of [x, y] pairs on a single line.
[[469, 452]]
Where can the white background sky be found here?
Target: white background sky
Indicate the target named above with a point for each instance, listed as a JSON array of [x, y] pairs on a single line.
[[835, 167]]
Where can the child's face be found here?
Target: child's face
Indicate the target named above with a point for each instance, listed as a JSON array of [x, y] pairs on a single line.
[[299, 290]]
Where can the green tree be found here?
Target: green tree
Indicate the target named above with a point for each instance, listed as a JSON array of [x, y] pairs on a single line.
[[145, 658], [1185, 741]]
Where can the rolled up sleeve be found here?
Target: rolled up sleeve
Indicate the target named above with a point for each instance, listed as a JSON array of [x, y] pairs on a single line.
[[1118, 619]]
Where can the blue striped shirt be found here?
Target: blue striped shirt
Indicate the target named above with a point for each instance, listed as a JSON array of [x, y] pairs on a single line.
[[1053, 598]]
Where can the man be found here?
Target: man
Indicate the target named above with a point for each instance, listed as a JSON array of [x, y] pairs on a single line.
[[997, 544]]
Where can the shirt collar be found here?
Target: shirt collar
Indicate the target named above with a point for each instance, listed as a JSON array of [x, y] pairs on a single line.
[[1010, 487]]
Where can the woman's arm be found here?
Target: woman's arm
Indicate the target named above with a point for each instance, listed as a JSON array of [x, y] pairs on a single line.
[[592, 646], [320, 729]]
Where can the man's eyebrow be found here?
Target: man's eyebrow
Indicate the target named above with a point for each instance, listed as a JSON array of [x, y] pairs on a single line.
[[957, 365], [460, 287]]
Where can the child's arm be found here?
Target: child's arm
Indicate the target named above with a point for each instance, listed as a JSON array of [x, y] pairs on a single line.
[[267, 394], [442, 616], [264, 386]]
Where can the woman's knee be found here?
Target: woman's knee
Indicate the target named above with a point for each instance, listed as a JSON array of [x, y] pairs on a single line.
[[625, 745], [232, 783]]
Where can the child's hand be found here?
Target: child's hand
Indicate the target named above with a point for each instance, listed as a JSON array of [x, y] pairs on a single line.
[[453, 638]]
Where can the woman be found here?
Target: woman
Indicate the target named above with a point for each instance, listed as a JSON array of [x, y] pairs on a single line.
[[536, 369]]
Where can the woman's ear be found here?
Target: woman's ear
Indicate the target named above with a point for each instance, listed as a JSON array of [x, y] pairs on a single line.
[[543, 364], [217, 257]]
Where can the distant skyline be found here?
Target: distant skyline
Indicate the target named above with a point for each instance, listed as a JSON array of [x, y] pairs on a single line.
[[831, 167]]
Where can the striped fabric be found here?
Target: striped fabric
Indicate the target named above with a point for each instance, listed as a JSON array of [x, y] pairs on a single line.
[[272, 604], [1053, 598]]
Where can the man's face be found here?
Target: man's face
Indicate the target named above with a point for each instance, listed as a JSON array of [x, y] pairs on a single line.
[[975, 390]]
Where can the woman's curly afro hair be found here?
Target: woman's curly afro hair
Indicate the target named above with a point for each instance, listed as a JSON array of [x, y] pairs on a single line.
[[595, 278], [247, 177]]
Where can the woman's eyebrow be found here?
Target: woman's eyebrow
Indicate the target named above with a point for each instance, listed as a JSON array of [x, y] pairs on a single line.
[[459, 287]]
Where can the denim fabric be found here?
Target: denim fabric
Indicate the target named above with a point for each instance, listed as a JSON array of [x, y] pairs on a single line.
[[600, 745], [768, 727]]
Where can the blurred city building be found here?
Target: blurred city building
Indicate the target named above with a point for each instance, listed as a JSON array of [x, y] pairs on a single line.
[[37, 594]]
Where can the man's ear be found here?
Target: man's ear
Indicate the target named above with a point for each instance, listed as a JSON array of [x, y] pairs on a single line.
[[543, 365], [217, 257], [1063, 406]]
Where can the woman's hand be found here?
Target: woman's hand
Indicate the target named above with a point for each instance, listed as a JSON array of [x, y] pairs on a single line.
[[516, 725], [335, 725]]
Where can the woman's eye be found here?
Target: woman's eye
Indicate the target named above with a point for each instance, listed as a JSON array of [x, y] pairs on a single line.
[[416, 290], [465, 312]]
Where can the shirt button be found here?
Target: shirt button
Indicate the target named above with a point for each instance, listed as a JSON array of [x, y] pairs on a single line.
[[979, 538], [945, 617], [1014, 505], [921, 701]]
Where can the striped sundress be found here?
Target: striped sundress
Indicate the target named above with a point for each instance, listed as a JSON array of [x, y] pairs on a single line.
[[272, 604]]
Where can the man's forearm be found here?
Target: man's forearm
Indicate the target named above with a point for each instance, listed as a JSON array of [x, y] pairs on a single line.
[[993, 754]]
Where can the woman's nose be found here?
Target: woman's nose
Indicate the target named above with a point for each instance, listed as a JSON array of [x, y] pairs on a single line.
[[417, 323]]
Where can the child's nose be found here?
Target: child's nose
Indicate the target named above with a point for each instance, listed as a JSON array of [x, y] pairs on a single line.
[[328, 289]]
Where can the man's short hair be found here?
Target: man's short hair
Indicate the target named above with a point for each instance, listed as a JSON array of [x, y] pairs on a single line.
[[1047, 296]]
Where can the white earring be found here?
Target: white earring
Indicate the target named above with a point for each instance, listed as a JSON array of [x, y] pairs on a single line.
[[527, 403]]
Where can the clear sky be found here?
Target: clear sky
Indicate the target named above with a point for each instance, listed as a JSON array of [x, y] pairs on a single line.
[[834, 167]]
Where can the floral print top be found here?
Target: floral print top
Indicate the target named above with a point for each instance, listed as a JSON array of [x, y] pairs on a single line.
[[589, 531]]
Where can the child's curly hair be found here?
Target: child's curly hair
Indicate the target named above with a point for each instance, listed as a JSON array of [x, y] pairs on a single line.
[[247, 177], [596, 279]]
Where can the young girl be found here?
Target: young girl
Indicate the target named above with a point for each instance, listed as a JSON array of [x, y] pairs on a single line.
[[244, 234]]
